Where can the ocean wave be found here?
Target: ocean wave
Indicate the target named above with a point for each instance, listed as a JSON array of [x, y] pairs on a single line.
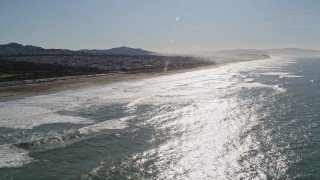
[[55, 138]]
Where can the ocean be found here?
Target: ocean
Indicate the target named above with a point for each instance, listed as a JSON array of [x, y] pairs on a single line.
[[246, 120]]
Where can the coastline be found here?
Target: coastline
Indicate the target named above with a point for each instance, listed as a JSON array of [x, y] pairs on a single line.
[[74, 82]]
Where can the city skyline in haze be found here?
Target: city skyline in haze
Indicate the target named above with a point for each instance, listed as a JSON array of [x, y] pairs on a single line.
[[169, 26]]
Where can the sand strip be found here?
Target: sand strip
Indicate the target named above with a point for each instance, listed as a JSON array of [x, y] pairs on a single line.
[[74, 83]]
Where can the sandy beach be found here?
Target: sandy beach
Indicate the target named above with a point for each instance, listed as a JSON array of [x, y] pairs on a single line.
[[74, 83]]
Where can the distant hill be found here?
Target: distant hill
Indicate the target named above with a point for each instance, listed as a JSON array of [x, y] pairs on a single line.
[[120, 51], [235, 55], [293, 52], [251, 54], [13, 49]]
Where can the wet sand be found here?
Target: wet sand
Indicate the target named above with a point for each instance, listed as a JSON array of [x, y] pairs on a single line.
[[74, 83]]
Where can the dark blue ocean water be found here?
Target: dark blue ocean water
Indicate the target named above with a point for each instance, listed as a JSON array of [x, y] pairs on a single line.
[[248, 120]]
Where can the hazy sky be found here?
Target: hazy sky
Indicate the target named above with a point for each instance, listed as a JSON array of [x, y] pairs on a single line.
[[161, 25]]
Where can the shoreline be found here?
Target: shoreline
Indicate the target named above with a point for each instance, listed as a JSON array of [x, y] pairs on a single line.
[[73, 82]]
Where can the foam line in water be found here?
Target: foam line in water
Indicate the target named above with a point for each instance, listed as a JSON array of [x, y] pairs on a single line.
[[110, 124], [280, 74]]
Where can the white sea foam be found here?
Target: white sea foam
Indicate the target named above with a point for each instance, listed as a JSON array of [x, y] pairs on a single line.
[[18, 116], [279, 88], [249, 80], [110, 124], [281, 74], [12, 157]]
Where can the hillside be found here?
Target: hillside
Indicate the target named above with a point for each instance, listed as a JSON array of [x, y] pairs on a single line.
[[119, 51], [295, 52], [15, 49]]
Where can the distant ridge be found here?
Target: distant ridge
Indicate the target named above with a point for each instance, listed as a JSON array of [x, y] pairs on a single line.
[[120, 51], [19, 49], [294, 52], [284, 52], [15, 49]]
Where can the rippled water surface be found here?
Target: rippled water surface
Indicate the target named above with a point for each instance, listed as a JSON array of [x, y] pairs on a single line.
[[250, 120]]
